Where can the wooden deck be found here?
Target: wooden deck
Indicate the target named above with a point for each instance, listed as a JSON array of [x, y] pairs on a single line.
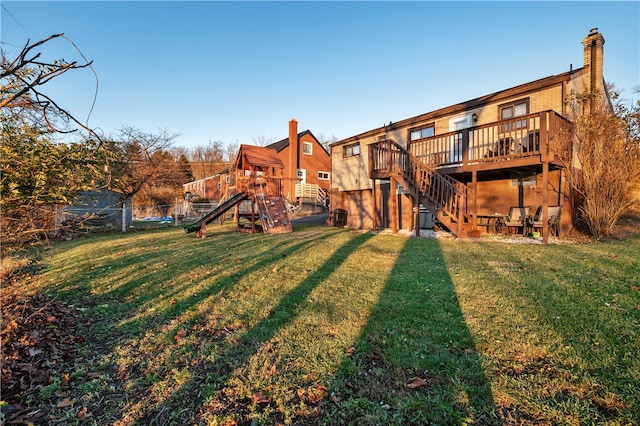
[[526, 141]]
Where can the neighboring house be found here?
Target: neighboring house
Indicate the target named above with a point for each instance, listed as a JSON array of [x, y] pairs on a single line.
[[475, 158], [98, 208], [307, 166], [306, 174], [212, 188]]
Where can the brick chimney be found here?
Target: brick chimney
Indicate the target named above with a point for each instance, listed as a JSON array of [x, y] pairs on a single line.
[[293, 147], [593, 61]]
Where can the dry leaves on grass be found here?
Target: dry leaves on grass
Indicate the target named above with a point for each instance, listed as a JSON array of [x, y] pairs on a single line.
[[39, 336]]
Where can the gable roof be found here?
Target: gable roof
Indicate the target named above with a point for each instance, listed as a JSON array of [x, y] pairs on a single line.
[[258, 156], [282, 144]]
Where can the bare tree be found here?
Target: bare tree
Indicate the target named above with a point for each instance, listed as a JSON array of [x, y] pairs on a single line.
[[23, 77], [139, 160], [207, 160], [326, 141], [262, 140], [601, 153]]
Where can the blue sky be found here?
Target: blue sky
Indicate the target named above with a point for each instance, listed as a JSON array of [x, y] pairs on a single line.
[[237, 72]]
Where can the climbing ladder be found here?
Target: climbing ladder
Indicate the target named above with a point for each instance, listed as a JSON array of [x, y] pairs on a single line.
[[266, 213]]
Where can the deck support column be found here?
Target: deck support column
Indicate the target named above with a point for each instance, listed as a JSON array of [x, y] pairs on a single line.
[[416, 214], [474, 202], [375, 205], [545, 202], [394, 205]]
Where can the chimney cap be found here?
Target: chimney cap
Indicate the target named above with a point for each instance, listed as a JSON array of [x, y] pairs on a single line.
[[593, 31]]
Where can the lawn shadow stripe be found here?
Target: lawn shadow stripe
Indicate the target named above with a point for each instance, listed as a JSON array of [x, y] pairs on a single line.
[[415, 361]]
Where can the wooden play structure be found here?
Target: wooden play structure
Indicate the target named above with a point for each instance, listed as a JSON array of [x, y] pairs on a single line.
[[255, 192]]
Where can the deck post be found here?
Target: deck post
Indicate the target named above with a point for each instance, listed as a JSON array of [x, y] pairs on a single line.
[[474, 201], [375, 205], [465, 149], [394, 204], [545, 202]]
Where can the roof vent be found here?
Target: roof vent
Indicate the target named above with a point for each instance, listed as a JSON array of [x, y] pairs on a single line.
[[593, 31]]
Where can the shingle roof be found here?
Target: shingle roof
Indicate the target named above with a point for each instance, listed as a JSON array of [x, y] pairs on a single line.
[[259, 156], [282, 144]]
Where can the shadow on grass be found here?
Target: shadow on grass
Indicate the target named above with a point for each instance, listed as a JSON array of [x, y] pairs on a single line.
[[415, 361], [209, 378]]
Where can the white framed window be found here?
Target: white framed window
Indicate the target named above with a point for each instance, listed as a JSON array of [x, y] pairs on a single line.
[[307, 148], [323, 175], [352, 150], [227, 178]]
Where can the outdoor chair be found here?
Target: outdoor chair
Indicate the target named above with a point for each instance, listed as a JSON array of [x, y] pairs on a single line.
[[501, 148], [517, 218], [535, 221]]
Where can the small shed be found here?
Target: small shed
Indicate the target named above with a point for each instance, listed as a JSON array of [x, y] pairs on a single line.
[[99, 208]]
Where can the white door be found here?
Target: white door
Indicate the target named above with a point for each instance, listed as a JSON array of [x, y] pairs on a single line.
[[455, 148], [302, 176]]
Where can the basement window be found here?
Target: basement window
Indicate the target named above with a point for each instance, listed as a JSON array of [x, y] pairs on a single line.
[[522, 179]]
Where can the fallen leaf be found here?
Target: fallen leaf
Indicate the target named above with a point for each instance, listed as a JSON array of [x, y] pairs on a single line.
[[350, 351], [83, 413], [417, 383], [635, 288], [173, 301], [67, 402], [93, 375], [180, 335], [259, 398]]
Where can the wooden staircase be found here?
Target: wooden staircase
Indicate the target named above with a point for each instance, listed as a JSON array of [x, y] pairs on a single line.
[[444, 196]]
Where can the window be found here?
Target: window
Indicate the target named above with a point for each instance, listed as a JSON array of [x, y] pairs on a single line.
[[422, 133], [227, 178], [522, 179], [352, 150], [307, 148], [323, 175], [512, 110]]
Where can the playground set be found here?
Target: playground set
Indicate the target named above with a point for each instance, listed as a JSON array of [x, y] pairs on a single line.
[[255, 193]]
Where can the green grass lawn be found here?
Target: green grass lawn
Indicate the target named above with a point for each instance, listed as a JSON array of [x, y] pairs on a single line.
[[330, 326]]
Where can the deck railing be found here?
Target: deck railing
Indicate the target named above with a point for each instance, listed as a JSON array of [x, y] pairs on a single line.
[[526, 136], [259, 185]]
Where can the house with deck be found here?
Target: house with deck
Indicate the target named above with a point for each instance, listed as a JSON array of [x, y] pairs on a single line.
[[494, 157]]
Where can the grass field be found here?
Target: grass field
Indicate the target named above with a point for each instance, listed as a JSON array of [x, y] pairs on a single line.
[[330, 326]]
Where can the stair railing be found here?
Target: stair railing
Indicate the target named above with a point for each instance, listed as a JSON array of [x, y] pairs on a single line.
[[445, 192]]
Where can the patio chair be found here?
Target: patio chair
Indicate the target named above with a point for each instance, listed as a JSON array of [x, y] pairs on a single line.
[[535, 221], [501, 148], [517, 218]]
